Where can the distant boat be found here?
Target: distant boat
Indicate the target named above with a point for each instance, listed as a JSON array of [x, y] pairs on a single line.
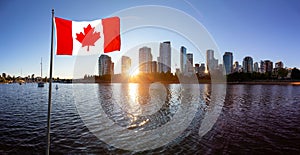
[[41, 83]]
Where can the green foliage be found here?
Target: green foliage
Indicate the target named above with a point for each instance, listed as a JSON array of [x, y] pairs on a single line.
[[243, 77], [155, 77], [295, 73], [282, 72]]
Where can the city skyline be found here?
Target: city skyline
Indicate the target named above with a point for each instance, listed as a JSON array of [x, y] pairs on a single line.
[[266, 30], [146, 63]]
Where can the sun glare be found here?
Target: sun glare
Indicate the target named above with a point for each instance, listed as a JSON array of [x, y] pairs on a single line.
[[134, 73]]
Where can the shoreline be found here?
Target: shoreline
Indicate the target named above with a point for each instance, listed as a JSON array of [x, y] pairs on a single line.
[[294, 83], [266, 83]]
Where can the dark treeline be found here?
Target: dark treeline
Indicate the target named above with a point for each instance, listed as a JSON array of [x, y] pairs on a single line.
[[281, 74], [167, 77], [6, 78]]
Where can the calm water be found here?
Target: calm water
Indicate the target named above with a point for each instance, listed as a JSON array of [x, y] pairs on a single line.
[[92, 118]]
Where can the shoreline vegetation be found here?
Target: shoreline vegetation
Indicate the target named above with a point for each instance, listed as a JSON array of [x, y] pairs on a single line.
[[262, 82], [170, 78], [216, 78]]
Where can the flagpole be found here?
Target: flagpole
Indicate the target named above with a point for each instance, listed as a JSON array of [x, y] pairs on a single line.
[[50, 88]]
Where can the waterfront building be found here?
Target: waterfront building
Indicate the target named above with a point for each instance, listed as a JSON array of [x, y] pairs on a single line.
[[255, 67], [211, 62], [145, 59], [268, 66], [125, 65], [183, 59], [279, 64], [228, 61], [154, 66], [221, 68], [164, 60], [236, 66], [248, 65], [197, 68], [202, 69], [189, 63], [262, 67], [105, 65]]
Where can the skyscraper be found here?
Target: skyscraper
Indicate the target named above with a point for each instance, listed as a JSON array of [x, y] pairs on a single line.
[[255, 67], [228, 61], [145, 59], [268, 66], [182, 59], [189, 63], [126, 64], [248, 65], [236, 66], [164, 59], [278, 66], [105, 65], [211, 62], [153, 66], [262, 67], [202, 69]]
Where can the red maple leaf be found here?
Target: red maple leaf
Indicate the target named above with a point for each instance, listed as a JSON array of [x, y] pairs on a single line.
[[89, 37]]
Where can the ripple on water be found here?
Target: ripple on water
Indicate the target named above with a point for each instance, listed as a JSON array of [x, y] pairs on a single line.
[[254, 119]]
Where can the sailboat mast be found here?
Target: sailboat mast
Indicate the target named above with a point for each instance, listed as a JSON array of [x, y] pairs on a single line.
[[41, 67]]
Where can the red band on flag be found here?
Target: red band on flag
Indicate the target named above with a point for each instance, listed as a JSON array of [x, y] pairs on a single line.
[[111, 30], [64, 36]]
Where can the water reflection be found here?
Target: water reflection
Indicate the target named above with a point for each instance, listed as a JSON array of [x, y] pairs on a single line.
[[134, 105], [140, 116], [255, 119]]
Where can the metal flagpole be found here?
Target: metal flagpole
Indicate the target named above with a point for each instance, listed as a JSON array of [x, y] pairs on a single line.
[[50, 87]]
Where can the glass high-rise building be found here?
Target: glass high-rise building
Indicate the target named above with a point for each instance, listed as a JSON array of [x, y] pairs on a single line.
[[153, 66], [105, 65], [182, 59], [164, 60], [189, 63], [211, 62], [126, 65], [227, 62], [145, 59], [248, 64], [262, 67], [255, 67], [268, 66]]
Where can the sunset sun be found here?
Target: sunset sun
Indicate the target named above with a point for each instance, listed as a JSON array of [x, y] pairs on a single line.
[[134, 72]]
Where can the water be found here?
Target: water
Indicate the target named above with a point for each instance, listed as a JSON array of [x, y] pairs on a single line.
[[92, 118]]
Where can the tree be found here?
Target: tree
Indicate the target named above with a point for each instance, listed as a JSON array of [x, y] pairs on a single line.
[[295, 73], [4, 75], [282, 72], [2, 79]]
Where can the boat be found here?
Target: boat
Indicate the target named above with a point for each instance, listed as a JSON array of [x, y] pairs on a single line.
[[41, 83]]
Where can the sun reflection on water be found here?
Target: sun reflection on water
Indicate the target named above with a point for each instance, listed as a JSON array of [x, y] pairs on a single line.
[[133, 105]]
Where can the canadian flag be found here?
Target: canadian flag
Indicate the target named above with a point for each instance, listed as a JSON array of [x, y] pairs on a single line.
[[87, 37]]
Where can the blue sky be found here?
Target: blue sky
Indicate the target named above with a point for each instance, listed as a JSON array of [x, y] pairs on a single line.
[[263, 29]]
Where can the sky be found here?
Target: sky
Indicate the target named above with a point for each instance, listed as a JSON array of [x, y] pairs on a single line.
[[262, 29]]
